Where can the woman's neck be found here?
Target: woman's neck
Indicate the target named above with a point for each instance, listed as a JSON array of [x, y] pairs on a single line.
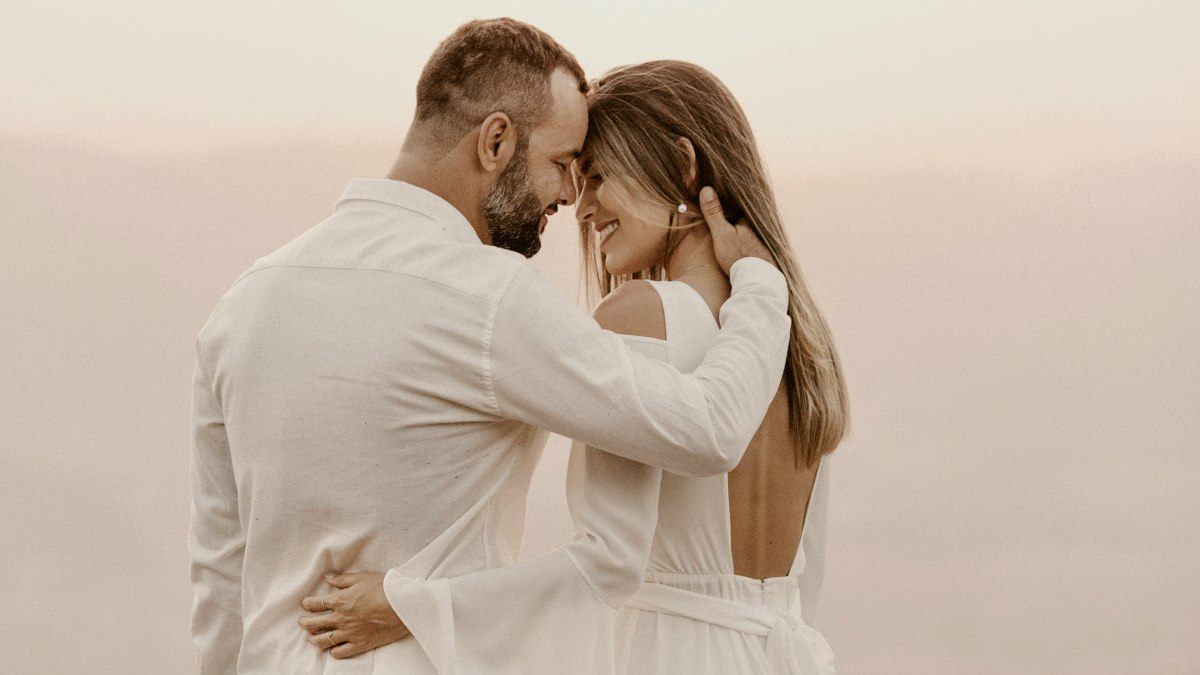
[[694, 253]]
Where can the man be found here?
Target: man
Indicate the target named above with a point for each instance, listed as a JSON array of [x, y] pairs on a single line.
[[370, 395]]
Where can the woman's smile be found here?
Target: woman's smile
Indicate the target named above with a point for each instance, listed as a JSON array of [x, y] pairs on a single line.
[[607, 230]]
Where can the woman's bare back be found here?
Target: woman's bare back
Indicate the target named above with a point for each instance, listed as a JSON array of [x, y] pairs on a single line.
[[768, 498], [768, 491]]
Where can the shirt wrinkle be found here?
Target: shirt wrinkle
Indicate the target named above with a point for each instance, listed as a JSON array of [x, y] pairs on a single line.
[[613, 603], [439, 282], [488, 334], [432, 412]]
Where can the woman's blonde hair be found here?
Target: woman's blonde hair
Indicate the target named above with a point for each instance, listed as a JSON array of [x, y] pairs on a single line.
[[636, 116]]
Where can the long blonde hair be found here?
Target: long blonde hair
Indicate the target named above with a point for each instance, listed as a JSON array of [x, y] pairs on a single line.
[[636, 116]]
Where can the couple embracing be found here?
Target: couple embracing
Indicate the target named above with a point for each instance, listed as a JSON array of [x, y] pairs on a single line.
[[371, 399]]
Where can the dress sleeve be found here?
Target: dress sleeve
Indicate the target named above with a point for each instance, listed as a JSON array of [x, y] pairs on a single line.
[[554, 613], [555, 368], [216, 540]]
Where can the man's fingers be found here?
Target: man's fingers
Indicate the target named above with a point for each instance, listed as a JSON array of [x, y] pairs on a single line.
[[743, 231], [731, 242], [724, 236], [710, 206]]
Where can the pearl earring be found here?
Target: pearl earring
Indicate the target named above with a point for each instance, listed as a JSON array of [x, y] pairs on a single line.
[[682, 208]]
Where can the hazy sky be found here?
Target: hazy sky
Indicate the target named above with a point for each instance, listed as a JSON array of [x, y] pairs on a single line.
[[848, 83], [996, 204]]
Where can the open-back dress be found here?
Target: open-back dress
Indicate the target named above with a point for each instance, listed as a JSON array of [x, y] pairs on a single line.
[[693, 614]]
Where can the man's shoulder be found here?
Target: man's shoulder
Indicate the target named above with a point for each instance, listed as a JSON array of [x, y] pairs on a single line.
[[475, 269], [415, 249]]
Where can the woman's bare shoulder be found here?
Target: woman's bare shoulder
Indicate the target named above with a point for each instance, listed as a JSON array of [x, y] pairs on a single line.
[[633, 308]]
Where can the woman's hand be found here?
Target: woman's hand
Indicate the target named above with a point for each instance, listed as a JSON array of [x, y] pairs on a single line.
[[353, 620]]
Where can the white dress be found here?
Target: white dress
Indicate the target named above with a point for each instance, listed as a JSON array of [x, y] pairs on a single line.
[[693, 614], [565, 612], [368, 397]]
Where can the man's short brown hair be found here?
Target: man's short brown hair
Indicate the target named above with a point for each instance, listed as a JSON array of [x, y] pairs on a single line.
[[487, 66]]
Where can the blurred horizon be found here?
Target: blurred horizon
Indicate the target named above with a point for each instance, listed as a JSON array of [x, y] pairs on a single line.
[[995, 205], [996, 333]]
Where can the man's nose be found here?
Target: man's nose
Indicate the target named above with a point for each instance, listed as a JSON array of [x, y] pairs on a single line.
[[567, 194]]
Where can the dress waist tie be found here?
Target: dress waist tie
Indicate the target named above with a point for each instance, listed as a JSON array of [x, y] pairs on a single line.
[[793, 647]]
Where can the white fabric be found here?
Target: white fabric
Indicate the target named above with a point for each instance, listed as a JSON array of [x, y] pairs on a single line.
[[694, 615], [705, 621], [369, 396]]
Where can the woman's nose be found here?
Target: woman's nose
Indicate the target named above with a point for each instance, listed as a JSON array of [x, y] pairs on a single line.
[[585, 207]]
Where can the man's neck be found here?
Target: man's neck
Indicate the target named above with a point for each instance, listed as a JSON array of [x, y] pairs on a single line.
[[446, 178]]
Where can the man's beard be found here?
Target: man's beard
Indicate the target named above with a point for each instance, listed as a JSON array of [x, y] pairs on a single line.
[[511, 210]]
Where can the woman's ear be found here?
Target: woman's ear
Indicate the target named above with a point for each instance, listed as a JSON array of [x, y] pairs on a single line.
[[689, 178], [497, 142]]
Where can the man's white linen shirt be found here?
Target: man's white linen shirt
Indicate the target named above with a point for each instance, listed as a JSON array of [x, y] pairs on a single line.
[[370, 395]]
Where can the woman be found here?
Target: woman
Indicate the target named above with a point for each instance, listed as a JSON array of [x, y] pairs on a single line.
[[734, 564], [735, 558]]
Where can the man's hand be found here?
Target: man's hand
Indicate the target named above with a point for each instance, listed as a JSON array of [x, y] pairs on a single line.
[[730, 242], [353, 620]]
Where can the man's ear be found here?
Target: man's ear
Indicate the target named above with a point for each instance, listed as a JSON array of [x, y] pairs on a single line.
[[497, 142], [689, 177]]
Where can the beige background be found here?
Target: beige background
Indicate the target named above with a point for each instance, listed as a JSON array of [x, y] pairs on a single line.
[[997, 205]]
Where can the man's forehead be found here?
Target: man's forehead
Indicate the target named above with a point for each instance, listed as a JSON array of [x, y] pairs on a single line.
[[564, 90], [566, 125]]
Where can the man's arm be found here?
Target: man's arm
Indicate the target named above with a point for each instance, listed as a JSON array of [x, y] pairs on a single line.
[[498, 620], [555, 368], [553, 613], [216, 540]]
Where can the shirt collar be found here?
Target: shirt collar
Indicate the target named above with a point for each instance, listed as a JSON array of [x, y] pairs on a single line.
[[413, 198]]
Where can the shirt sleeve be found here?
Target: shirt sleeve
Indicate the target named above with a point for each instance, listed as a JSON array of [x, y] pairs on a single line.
[[551, 614], [554, 367], [216, 541]]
